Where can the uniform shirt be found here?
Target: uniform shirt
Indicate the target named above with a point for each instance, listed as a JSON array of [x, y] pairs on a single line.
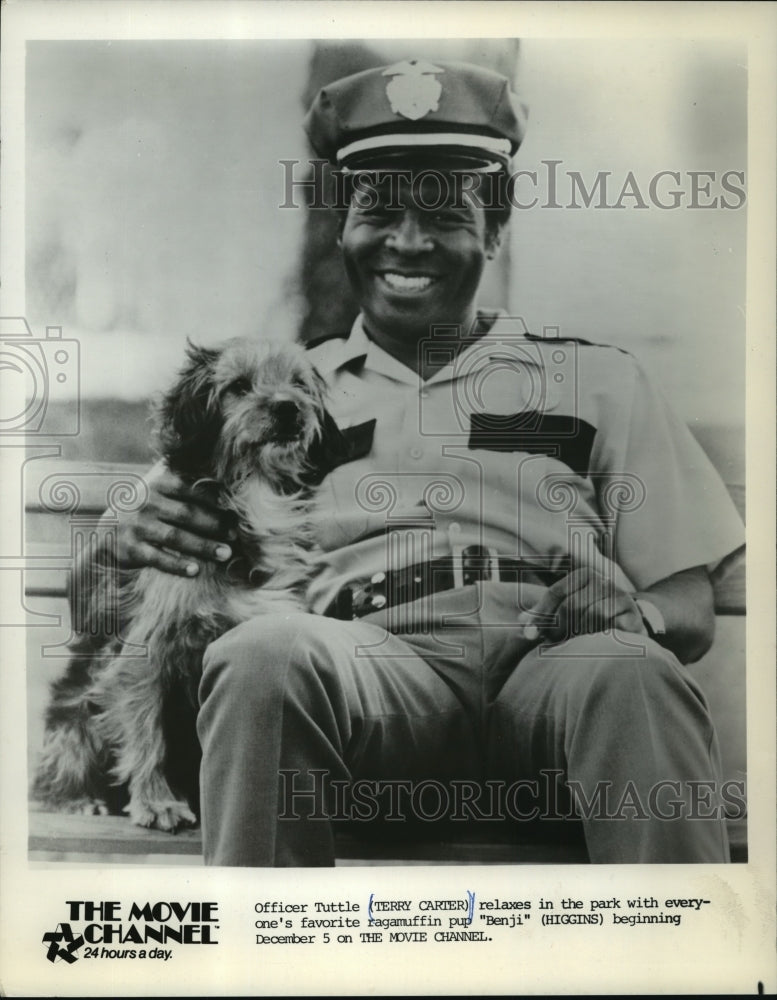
[[555, 452]]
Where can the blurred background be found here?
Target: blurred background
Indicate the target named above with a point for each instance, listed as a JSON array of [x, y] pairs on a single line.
[[153, 190]]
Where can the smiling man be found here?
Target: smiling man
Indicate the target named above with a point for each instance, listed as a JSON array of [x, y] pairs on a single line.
[[516, 539], [415, 246]]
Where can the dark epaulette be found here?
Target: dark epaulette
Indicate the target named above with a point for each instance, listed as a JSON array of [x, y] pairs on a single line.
[[562, 340], [572, 340]]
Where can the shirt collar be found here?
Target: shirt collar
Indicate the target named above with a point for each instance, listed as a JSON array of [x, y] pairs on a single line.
[[358, 346]]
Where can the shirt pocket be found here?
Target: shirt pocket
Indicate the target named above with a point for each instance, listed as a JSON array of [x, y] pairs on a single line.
[[567, 439]]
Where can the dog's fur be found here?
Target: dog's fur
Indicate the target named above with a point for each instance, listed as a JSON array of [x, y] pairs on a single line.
[[240, 424]]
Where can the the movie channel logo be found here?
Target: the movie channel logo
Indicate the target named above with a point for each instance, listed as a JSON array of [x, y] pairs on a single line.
[[94, 929]]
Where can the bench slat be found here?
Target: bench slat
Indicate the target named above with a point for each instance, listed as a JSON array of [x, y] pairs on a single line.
[[95, 836], [58, 481], [69, 833], [76, 833]]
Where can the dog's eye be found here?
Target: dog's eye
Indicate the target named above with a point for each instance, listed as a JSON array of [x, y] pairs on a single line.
[[240, 387]]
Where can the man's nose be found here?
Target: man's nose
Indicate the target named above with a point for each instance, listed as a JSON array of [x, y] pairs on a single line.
[[409, 235]]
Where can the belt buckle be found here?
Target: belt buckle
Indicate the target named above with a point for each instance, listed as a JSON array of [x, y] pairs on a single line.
[[458, 555]]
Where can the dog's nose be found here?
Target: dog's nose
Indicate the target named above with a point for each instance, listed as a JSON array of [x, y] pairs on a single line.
[[285, 412]]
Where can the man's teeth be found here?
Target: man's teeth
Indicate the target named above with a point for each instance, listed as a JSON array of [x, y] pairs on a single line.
[[404, 282]]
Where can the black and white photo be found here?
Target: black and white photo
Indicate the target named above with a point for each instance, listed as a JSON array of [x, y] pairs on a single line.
[[379, 429]]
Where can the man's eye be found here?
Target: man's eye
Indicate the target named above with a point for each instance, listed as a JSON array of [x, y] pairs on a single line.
[[448, 216], [362, 200], [372, 211], [240, 387]]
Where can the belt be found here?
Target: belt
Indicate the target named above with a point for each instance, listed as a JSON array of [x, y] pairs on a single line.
[[473, 564]]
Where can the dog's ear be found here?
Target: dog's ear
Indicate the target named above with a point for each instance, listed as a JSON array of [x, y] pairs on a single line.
[[199, 358], [187, 417]]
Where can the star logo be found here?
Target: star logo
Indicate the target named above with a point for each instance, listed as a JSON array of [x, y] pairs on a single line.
[[413, 90], [63, 935]]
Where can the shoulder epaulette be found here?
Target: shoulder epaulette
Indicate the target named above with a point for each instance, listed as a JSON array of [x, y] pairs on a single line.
[[561, 340], [572, 340]]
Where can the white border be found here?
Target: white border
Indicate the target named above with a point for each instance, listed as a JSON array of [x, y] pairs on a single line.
[[728, 950]]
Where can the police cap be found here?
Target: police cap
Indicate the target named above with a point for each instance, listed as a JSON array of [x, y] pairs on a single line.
[[465, 115]]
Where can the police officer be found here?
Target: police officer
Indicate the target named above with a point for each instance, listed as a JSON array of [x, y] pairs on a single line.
[[516, 544]]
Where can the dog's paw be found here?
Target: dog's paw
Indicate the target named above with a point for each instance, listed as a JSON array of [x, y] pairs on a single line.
[[91, 807], [168, 815]]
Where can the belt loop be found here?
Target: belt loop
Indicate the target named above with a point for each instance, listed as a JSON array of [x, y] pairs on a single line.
[[457, 558]]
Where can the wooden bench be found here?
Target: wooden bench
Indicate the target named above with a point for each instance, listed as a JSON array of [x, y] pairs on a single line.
[[63, 503]]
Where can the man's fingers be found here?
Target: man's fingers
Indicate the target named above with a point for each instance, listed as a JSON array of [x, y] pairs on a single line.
[[171, 485], [570, 583], [616, 610], [176, 503], [581, 612], [194, 518], [182, 542], [560, 624], [176, 529], [148, 555], [535, 620], [630, 620]]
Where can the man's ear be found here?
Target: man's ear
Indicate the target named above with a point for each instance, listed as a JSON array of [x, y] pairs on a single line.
[[340, 216], [493, 242]]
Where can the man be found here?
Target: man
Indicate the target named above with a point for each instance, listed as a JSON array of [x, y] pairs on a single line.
[[516, 542]]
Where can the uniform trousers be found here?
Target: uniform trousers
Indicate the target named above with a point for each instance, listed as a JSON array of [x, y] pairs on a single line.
[[448, 690]]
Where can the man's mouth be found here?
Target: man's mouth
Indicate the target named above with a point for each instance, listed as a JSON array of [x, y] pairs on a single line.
[[407, 282]]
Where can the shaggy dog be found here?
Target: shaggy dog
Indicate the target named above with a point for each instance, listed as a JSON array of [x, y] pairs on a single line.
[[240, 424]]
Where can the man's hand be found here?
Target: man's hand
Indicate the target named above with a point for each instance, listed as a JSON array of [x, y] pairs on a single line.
[[174, 531], [587, 600], [584, 601]]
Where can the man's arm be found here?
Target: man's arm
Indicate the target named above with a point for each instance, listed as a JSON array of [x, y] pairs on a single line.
[[588, 601], [686, 601]]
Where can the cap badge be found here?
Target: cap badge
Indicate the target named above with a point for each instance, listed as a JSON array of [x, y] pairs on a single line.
[[413, 90]]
